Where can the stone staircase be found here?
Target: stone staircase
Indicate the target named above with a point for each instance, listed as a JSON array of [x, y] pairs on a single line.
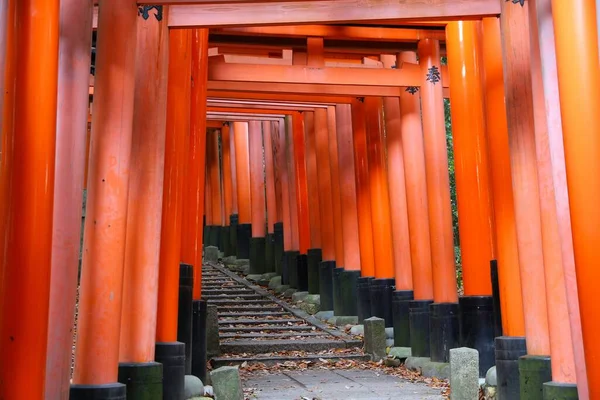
[[257, 327]]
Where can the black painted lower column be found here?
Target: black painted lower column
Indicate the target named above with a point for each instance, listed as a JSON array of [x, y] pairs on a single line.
[[418, 314], [184, 317], [172, 356], [257, 255], [302, 266], [326, 284], [381, 299], [508, 351], [244, 233], [109, 391], [478, 329], [292, 268], [313, 260], [199, 339], [400, 316], [206, 235], [534, 371], [226, 241], [348, 289], [444, 330], [270, 252], [278, 247], [496, 298], [338, 305], [560, 391], [214, 231], [233, 228], [144, 381], [363, 298]]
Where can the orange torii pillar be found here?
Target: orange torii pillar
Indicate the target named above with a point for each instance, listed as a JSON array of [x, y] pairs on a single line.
[[291, 246], [28, 140], [578, 82], [193, 202], [71, 133], [233, 218], [383, 285], [257, 193], [100, 299], [418, 219], [512, 326], [363, 205], [327, 268], [277, 146], [534, 368], [341, 135], [207, 196], [142, 243], [444, 318], [213, 165], [242, 166], [473, 190], [315, 252], [566, 342], [227, 189], [269, 127], [399, 215], [169, 351]]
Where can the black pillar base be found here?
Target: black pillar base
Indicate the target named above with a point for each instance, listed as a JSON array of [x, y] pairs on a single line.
[[326, 284], [233, 228], [244, 233], [534, 371], [206, 235], [418, 314], [348, 289], [109, 391], [199, 339], [381, 299], [508, 351], [257, 255], [338, 306], [226, 241], [278, 246], [560, 391], [144, 381], [496, 297], [184, 317], [444, 330], [302, 265], [214, 231], [478, 329], [363, 298], [400, 316], [313, 259], [291, 258], [172, 356], [270, 252]]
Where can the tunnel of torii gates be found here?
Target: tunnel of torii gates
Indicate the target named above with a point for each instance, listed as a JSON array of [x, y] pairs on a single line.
[[308, 136]]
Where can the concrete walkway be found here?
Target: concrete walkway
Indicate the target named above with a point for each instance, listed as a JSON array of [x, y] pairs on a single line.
[[335, 385]]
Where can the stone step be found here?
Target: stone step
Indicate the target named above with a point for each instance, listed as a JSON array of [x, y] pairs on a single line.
[[259, 321], [272, 328], [273, 360], [268, 346], [228, 291], [256, 335], [239, 297], [254, 314], [222, 287], [235, 302], [236, 308]]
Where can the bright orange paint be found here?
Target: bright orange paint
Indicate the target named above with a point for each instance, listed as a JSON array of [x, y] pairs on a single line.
[[338, 230], [213, 163], [347, 184], [312, 181], [511, 298], [142, 244], [277, 130], [26, 269], [193, 203], [380, 197], [473, 192], [293, 201], [257, 178], [436, 168], [416, 189], [282, 166], [234, 190], [207, 188], [226, 172], [71, 133], [299, 155], [363, 194], [242, 166], [268, 128], [178, 128], [579, 79], [321, 133]]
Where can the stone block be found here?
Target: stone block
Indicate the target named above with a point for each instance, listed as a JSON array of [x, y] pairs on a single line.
[[428, 368], [254, 277], [193, 387], [229, 260], [490, 377], [227, 384], [268, 276], [357, 330], [324, 315], [389, 342], [392, 362], [299, 296], [389, 333], [213, 347], [281, 288], [464, 374], [313, 299], [401, 353], [343, 320], [375, 338], [309, 308], [289, 292], [211, 254], [274, 282]]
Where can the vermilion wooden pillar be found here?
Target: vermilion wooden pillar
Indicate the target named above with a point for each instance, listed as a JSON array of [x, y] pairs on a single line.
[[213, 163], [293, 250], [178, 128], [284, 177], [226, 177], [142, 243], [269, 129], [511, 299], [335, 187], [233, 218], [72, 115], [578, 80], [242, 166], [31, 139], [444, 313], [257, 193]]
